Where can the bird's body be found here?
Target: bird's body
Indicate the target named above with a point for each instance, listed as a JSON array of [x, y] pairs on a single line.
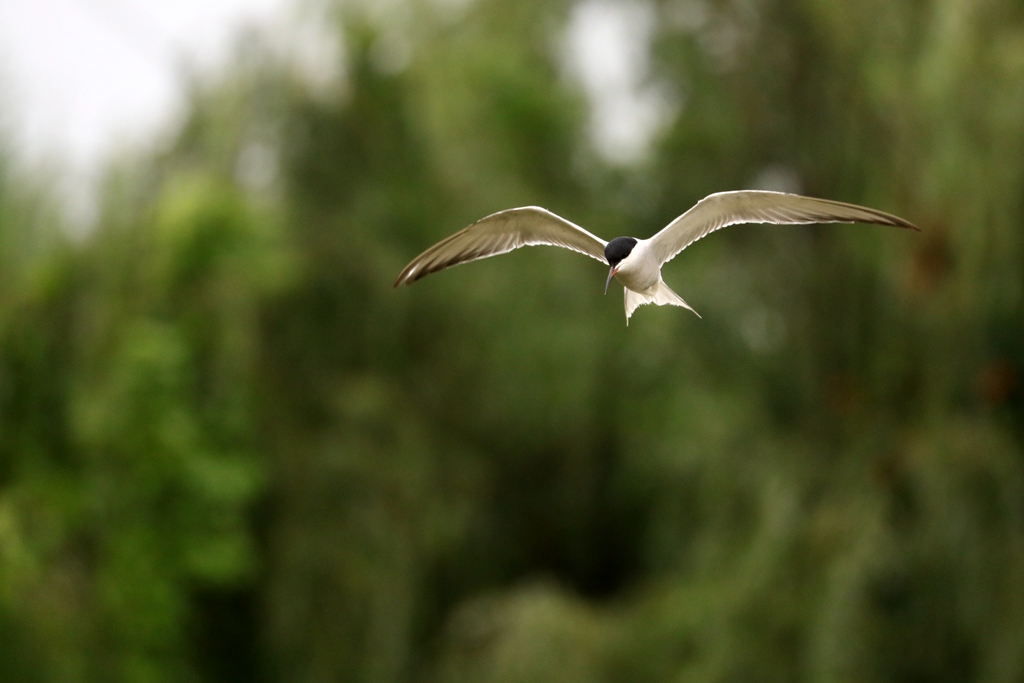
[[636, 263], [639, 273], [639, 270]]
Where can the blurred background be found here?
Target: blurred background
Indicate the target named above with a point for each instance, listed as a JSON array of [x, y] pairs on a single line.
[[230, 451]]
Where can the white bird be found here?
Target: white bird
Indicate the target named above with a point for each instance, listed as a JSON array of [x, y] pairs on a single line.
[[636, 263]]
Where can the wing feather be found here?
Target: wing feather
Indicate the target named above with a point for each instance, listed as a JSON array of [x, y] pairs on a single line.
[[501, 233], [757, 206]]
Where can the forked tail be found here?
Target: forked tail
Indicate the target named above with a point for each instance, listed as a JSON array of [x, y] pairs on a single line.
[[662, 295]]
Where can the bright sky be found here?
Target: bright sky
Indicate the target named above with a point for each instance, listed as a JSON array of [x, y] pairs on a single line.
[[607, 51], [79, 77]]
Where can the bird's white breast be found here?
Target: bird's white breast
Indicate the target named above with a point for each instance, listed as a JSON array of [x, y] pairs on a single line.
[[641, 270]]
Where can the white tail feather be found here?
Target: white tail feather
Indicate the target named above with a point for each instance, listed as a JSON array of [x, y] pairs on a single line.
[[662, 295]]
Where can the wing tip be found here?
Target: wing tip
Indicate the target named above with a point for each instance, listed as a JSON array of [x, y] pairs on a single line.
[[408, 276], [898, 222]]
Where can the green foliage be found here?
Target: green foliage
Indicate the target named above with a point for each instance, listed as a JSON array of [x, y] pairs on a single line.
[[131, 445], [230, 451]]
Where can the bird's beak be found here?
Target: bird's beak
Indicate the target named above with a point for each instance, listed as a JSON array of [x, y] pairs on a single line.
[[611, 274]]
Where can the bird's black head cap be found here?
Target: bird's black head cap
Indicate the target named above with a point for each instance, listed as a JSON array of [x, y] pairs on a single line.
[[618, 249]]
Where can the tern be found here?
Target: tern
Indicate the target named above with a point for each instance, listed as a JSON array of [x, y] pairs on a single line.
[[636, 263]]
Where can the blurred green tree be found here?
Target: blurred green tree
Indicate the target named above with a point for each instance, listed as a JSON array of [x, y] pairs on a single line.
[[229, 450]]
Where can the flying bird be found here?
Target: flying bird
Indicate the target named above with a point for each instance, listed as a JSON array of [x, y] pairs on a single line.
[[636, 263]]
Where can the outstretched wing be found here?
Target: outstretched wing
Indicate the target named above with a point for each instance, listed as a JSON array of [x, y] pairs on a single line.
[[500, 233], [757, 206]]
